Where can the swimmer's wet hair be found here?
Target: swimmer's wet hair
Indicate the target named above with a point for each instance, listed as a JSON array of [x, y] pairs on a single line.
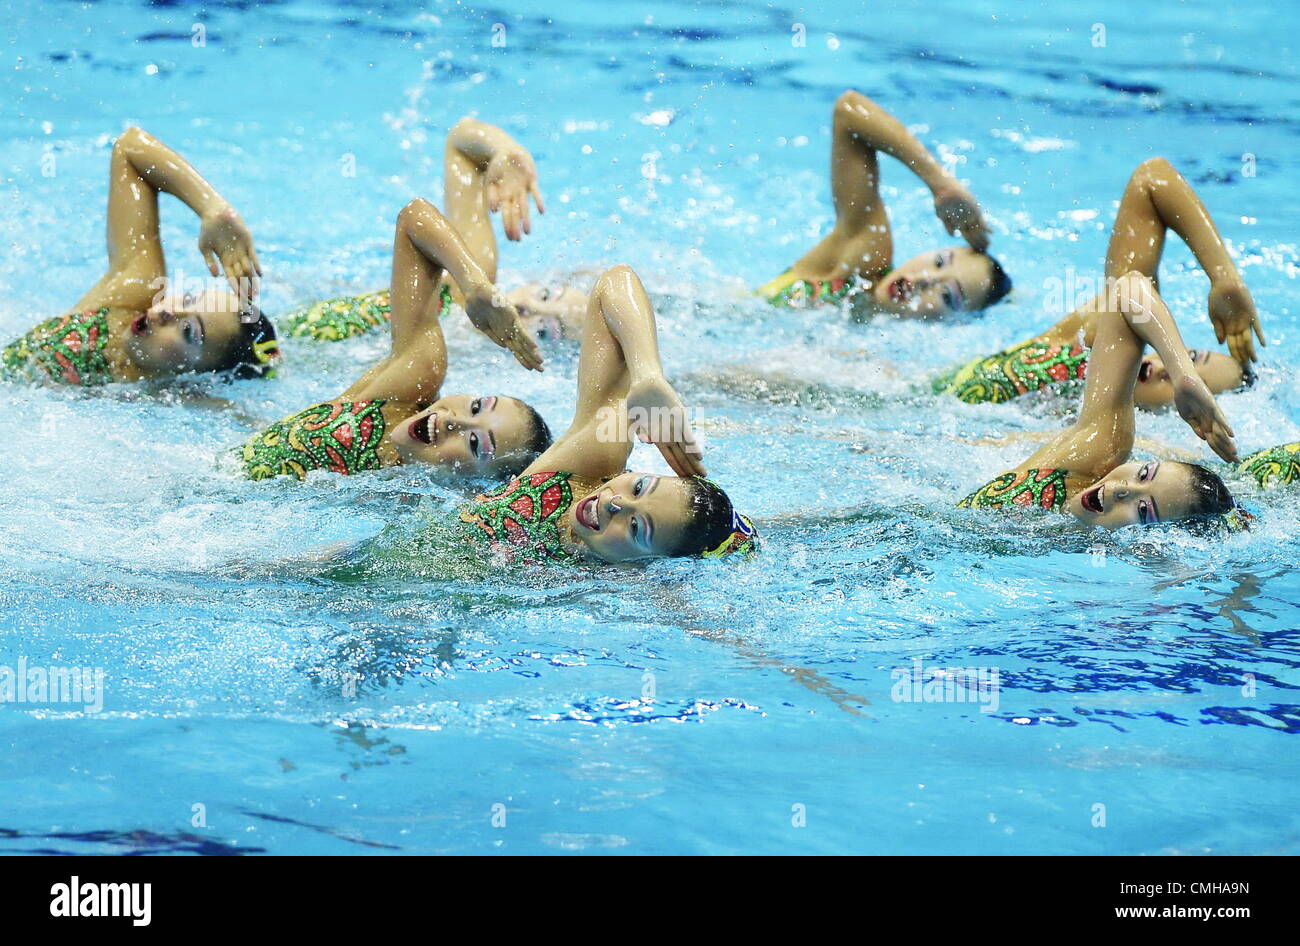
[[539, 440], [1211, 501], [255, 350], [1248, 376], [711, 519], [1000, 283]]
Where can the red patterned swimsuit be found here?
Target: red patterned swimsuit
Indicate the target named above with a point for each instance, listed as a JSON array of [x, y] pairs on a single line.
[[1035, 488], [67, 349], [340, 436], [524, 518]]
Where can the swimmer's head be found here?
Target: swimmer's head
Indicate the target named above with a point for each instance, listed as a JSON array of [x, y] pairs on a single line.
[[943, 282], [473, 437], [550, 312], [200, 331], [641, 515], [1144, 493], [1220, 373]]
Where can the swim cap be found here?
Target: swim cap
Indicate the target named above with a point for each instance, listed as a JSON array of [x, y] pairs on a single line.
[[742, 541]]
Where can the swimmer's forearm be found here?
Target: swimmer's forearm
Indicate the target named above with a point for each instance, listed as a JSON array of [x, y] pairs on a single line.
[[626, 308], [165, 170], [1150, 319], [869, 123], [437, 240], [1182, 211], [479, 141]]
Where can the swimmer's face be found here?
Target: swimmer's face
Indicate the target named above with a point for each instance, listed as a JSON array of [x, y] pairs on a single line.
[[1155, 390], [1136, 494], [550, 312], [183, 332], [939, 283], [467, 436], [633, 516]]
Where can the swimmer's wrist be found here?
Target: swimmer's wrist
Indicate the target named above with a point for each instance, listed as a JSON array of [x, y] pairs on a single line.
[[645, 373], [212, 207]]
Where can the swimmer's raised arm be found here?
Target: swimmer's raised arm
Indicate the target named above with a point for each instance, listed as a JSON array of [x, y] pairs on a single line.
[[140, 167], [621, 388], [425, 246], [861, 242], [1157, 199], [1131, 315], [485, 170]]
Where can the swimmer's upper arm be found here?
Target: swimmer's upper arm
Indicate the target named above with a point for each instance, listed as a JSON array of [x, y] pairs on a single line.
[[463, 192], [425, 246]]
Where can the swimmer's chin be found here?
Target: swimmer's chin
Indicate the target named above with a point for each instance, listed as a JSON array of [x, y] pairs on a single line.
[[1074, 506]]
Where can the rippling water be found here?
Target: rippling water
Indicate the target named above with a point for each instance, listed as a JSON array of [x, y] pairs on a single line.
[[391, 699]]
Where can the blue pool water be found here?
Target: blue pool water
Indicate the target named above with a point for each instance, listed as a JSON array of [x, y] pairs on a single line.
[[683, 708]]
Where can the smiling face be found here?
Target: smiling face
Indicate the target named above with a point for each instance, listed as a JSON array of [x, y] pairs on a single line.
[[1138, 494], [939, 283], [468, 436], [184, 332], [550, 312], [633, 516], [1155, 390]]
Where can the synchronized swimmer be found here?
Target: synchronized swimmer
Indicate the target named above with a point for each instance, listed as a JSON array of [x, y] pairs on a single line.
[[572, 498], [124, 328]]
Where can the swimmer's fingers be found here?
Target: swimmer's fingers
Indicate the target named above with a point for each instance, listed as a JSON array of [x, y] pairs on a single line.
[[524, 348], [233, 267], [1221, 442], [537, 197], [680, 461], [523, 213], [243, 277], [508, 221], [514, 218], [1242, 346], [1217, 432], [684, 454], [211, 259], [977, 235], [1259, 332]]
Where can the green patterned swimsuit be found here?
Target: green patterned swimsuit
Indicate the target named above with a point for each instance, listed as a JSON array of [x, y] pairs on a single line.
[[1009, 374], [336, 319], [1042, 489], [523, 519], [339, 436], [1276, 466], [792, 293], [68, 349]]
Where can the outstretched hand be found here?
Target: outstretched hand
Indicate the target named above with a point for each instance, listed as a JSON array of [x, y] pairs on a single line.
[[1196, 405], [224, 238], [656, 414], [510, 178], [1232, 311], [493, 315], [959, 212]]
